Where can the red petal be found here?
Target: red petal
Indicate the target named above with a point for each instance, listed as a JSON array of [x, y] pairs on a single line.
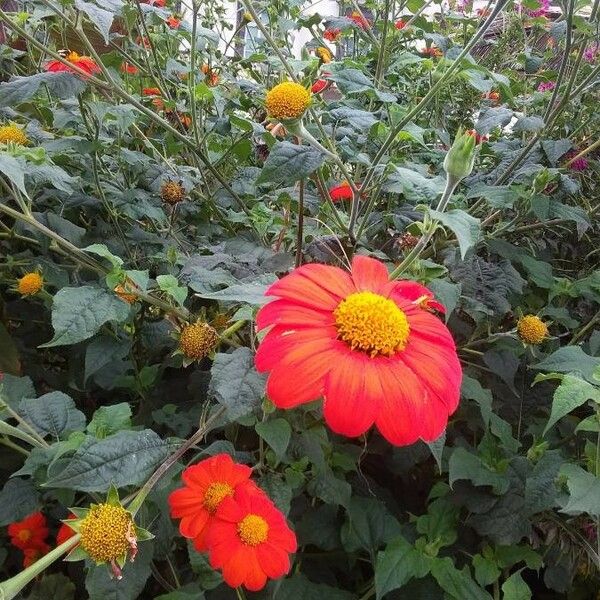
[[274, 561], [284, 312], [369, 274], [256, 577], [194, 526]]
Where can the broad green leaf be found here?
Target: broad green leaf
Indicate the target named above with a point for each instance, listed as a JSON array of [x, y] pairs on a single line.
[[123, 459], [569, 359], [514, 588], [277, 434], [20, 89], [492, 118], [500, 196], [457, 584], [104, 252], [440, 523], [79, 312], [464, 465], [110, 419], [298, 587], [532, 123], [52, 414], [190, 591], [472, 390], [55, 586], [326, 486], [486, 570], [351, 81], [360, 119], [13, 390], [18, 499], [278, 491], [101, 351], [466, 228], [570, 394], [584, 489], [251, 293], [208, 577], [170, 285], [99, 17], [236, 384], [413, 186], [397, 565], [13, 169], [290, 162], [540, 486]]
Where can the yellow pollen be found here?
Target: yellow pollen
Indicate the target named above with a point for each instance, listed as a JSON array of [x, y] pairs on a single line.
[[287, 100], [215, 494], [30, 284], [253, 530], [13, 134], [324, 54], [24, 535], [198, 340], [106, 532], [372, 324], [532, 329], [73, 56]]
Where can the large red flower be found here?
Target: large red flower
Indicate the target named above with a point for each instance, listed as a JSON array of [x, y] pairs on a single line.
[[85, 63], [31, 532], [34, 553], [366, 344], [250, 541], [206, 485], [343, 191]]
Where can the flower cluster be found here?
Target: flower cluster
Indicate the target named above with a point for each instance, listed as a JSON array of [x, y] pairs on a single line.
[[370, 347], [224, 512], [29, 535], [578, 164], [85, 63], [591, 53]]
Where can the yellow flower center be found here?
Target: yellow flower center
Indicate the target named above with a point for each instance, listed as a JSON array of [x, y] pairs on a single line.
[[287, 100], [215, 494], [29, 284], [14, 134], [106, 532], [24, 535], [372, 324], [532, 329], [253, 530], [324, 54], [172, 192], [73, 56], [197, 340]]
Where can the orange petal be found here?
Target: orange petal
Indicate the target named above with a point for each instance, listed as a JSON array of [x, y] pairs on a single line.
[[284, 312], [369, 274]]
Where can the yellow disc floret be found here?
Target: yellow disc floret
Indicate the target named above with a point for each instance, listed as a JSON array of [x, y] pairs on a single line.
[[287, 100], [324, 54], [532, 329], [13, 134], [106, 532], [30, 284], [172, 192], [198, 340], [253, 530], [372, 324], [215, 494]]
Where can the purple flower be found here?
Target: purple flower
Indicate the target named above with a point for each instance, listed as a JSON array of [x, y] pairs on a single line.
[[591, 52], [546, 86], [579, 164]]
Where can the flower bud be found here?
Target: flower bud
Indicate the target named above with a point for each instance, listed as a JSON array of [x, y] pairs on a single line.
[[460, 159]]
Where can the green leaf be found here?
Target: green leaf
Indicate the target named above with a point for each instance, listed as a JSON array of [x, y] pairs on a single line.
[[123, 459], [13, 390], [514, 588], [278, 491], [103, 350], [52, 414], [457, 584], [486, 570], [10, 361], [397, 565], [466, 228], [236, 384], [351, 81], [110, 419], [79, 312], [540, 486], [20, 89], [104, 252], [251, 293], [440, 523], [290, 162], [532, 123], [170, 285], [412, 185], [208, 577], [500, 196], [570, 359], [492, 118], [298, 587], [101, 18], [56, 586], [464, 465], [14, 169], [326, 486], [584, 489], [18, 499], [276, 433], [570, 394]]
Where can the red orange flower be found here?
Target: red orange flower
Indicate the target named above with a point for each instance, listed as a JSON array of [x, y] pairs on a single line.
[[65, 532], [320, 85], [206, 485], [30, 532], [492, 97], [359, 19], [341, 192], [151, 91], [332, 34], [85, 63], [400, 24], [364, 344], [158, 3], [173, 22], [432, 51], [129, 68], [250, 541], [210, 76]]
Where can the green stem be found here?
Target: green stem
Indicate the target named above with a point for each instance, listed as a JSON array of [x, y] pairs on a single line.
[[33, 437], [10, 444], [10, 588], [232, 329], [300, 231], [15, 432]]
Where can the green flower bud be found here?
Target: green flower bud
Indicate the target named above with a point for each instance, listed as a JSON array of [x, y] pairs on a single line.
[[460, 159]]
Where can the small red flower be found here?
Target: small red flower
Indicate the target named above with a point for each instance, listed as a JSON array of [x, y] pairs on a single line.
[[250, 541], [65, 532], [173, 22], [129, 68], [32, 531], [341, 192], [332, 34], [479, 139], [359, 19], [211, 78], [31, 555], [85, 63], [206, 485], [321, 84], [432, 51], [158, 3], [493, 97], [152, 91], [483, 12], [400, 24]]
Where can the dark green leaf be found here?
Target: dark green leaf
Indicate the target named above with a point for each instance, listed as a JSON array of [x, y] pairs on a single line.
[[20, 89], [276, 433], [99, 17], [110, 419], [464, 465], [457, 584], [299, 587], [514, 588], [570, 359], [290, 162], [52, 414], [18, 499], [466, 228], [584, 489]]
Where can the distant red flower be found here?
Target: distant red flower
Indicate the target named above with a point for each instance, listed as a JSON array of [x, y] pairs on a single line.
[[158, 3], [142, 41], [250, 541], [65, 532], [321, 84], [129, 68], [332, 34], [343, 191], [359, 19], [30, 532], [479, 139], [432, 51], [546, 86], [579, 164], [206, 485], [31, 555], [400, 24], [152, 91], [210, 76], [173, 22], [85, 63], [491, 96]]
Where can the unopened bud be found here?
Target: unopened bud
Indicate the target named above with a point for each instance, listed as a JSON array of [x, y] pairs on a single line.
[[460, 159]]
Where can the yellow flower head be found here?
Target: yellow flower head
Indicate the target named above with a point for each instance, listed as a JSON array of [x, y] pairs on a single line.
[[531, 329], [14, 134], [30, 284], [248, 17], [172, 192], [107, 532], [324, 54], [287, 100], [197, 340]]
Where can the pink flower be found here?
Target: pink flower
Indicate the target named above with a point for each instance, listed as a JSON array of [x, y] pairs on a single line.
[[579, 164], [591, 52], [546, 86]]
